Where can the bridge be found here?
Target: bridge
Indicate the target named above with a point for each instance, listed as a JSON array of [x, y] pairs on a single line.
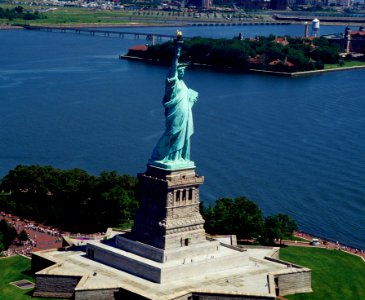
[[239, 23], [154, 37], [100, 32]]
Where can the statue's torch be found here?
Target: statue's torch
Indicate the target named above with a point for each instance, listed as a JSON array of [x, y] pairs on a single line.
[[179, 37]]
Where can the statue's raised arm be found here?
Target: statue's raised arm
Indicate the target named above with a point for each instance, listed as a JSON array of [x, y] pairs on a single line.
[[175, 59], [173, 149]]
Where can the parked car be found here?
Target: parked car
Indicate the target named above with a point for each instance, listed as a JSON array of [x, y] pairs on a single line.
[[314, 242]]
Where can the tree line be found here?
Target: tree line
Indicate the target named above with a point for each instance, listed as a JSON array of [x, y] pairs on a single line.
[[19, 13], [75, 201], [245, 54], [244, 218], [70, 199]]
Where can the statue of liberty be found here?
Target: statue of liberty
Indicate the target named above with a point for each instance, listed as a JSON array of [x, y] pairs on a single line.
[[173, 149]]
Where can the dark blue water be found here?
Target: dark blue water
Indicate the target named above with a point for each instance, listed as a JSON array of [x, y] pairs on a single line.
[[294, 145]]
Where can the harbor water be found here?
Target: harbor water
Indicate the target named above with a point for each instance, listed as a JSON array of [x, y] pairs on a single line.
[[293, 145]]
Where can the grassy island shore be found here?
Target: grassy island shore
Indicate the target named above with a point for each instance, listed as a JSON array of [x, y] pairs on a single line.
[[330, 68]]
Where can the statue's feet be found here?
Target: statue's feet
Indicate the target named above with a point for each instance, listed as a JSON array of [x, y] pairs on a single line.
[[172, 164]]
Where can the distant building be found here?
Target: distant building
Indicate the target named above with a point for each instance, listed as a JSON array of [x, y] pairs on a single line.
[[205, 4], [253, 4], [285, 63], [136, 50], [255, 61], [342, 3], [278, 4], [351, 41], [357, 40], [281, 40]]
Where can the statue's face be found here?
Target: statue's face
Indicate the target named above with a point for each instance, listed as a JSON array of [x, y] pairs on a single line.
[[180, 72]]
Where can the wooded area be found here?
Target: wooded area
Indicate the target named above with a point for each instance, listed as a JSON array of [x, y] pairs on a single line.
[[71, 199], [19, 13]]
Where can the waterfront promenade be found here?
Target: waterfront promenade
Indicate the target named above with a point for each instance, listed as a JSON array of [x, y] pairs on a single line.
[[324, 243]]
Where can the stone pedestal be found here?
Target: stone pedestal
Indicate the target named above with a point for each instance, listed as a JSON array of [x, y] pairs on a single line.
[[168, 239], [169, 215]]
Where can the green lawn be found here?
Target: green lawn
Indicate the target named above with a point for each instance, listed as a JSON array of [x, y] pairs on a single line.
[[335, 274], [78, 15], [74, 15], [345, 65], [12, 269]]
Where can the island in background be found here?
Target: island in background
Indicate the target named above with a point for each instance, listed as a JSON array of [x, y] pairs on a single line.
[[291, 56]]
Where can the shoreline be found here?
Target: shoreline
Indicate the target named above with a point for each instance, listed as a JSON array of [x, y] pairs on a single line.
[[10, 27], [308, 73]]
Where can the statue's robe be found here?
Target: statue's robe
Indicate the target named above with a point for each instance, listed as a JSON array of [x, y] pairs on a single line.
[[174, 145]]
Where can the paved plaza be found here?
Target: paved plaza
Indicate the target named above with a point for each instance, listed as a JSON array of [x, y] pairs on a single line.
[[249, 278]]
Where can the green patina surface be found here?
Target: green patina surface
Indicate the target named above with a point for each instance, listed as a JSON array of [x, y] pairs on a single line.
[[172, 151]]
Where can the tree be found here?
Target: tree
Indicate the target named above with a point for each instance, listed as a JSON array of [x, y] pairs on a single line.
[[239, 216], [7, 234], [2, 247], [278, 226], [19, 9], [23, 236]]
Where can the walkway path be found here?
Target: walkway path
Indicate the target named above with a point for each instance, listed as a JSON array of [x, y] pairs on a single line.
[[41, 237], [325, 244]]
